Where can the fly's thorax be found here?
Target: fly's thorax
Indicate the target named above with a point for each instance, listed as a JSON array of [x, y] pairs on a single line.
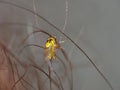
[[51, 41]]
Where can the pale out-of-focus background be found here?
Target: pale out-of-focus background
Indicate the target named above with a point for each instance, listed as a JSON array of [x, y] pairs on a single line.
[[93, 24]]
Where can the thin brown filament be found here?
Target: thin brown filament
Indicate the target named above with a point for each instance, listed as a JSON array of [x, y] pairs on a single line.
[[50, 77], [59, 80], [23, 79], [10, 65], [18, 80], [65, 72], [29, 45], [54, 82], [70, 65]]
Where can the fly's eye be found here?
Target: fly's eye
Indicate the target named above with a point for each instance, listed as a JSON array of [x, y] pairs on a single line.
[[50, 40], [47, 40]]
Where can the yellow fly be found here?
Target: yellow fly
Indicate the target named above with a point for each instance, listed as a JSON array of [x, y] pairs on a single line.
[[50, 48]]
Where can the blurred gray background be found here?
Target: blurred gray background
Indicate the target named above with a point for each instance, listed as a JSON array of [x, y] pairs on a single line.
[[93, 24]]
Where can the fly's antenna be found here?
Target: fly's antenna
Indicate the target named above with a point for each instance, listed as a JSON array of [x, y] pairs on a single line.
[[66, 15], [66, 19], [59, 30], [35, 10], [76, 39]]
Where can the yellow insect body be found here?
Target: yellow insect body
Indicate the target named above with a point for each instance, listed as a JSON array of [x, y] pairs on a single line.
[[51, 46]]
